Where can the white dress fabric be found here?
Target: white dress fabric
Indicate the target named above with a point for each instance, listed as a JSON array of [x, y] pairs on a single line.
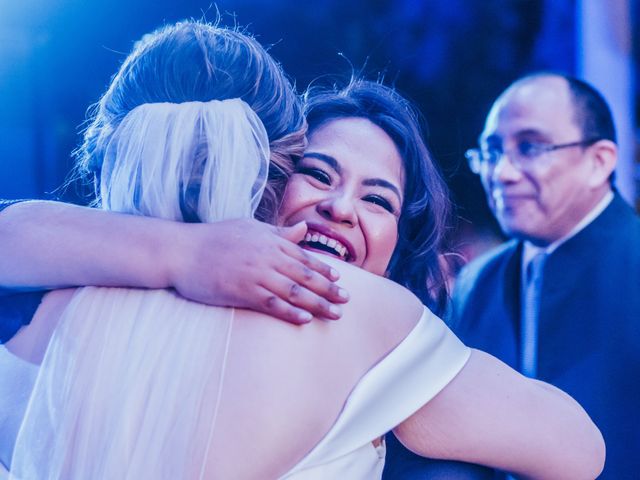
[[147, 421], [128, 389], [17, 377], [407, 378], [109, 395]]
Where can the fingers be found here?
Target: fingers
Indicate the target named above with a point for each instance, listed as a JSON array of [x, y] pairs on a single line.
[[311, 284], [312, 263], [299, 298], [318, 266], [312, 274], [294, 233], [316, 284], [282, 309], [274, 306]]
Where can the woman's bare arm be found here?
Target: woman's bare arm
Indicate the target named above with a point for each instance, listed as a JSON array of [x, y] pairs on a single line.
[[241, 263], [491, 415]]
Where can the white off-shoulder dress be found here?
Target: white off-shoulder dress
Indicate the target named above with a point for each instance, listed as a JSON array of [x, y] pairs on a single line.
[[122, 398], [411, 375]]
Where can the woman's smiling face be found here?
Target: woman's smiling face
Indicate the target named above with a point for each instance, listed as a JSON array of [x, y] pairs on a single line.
[[348, 188]]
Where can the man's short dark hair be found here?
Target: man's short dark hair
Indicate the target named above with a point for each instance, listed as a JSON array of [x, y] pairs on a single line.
[[592, 112]]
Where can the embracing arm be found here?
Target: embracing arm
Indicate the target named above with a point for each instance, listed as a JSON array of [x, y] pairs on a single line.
[[241, 263], [491, 415], [488, 413]]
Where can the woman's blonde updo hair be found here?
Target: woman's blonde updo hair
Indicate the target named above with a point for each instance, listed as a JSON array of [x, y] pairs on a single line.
[[198, 61]]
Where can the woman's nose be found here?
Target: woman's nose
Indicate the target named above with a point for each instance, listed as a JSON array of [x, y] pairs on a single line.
[[339, 208]]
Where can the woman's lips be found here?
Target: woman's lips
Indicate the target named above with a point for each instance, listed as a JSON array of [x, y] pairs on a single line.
[[323, 242], [326, 240]]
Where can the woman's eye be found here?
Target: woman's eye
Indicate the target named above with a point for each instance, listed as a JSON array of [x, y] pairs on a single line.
[[381, 201], [316, 173]]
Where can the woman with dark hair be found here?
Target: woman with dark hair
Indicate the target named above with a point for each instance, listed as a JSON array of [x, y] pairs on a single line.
[[425, 210], [145, 384]]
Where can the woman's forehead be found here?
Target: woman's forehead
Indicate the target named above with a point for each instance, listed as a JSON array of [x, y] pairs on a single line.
[[359, 145]]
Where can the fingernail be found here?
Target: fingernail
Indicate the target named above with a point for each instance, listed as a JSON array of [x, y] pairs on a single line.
[[335, 310], [342, 293], [304, 316], [334, 274]]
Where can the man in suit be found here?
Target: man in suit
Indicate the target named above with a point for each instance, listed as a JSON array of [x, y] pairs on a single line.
[[561, 300]]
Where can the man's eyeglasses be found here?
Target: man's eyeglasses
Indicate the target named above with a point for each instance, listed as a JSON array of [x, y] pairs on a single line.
[[523, 156]]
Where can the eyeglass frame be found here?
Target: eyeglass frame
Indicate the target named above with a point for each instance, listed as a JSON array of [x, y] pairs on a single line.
[[476, 161]]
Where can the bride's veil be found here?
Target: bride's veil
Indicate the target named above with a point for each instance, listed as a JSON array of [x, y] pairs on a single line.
[[179, 160], [130, 384]]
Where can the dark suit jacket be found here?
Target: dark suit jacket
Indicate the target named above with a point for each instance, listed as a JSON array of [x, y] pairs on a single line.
[[589, 333], [401, 464]]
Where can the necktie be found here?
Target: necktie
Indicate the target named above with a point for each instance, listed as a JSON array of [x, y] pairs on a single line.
[[530, 303], [529, 315]]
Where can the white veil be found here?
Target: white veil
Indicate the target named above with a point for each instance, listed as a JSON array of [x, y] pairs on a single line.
[[130, 383], [163, 154]]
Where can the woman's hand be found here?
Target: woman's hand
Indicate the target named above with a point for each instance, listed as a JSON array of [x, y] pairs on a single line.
[[249, 264]]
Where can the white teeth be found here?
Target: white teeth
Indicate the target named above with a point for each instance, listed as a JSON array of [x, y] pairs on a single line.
[[339, 248]]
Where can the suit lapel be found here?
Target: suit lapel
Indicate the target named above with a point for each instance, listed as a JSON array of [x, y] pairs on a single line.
[[570, 296]]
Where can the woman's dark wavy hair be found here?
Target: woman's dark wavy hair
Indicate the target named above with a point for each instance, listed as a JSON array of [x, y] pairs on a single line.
[[199, 61], [425, 211]]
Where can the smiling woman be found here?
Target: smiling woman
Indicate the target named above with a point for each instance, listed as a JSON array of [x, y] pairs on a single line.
[[372, 135], [347, 188]]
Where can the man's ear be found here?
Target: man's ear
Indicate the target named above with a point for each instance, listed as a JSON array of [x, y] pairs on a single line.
[[604, 157]]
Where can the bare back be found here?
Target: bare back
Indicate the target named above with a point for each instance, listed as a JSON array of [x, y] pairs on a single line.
[[281, 387]]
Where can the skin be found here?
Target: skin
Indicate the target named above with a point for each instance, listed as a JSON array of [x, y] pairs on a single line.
[[546, 201], [349, 187]]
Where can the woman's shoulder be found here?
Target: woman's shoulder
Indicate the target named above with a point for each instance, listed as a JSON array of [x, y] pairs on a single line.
[[377, 301], [324, 360], [380, 313]]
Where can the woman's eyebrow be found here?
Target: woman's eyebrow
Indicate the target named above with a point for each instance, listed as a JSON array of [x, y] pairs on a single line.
[[380, 182], [328, 159]]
